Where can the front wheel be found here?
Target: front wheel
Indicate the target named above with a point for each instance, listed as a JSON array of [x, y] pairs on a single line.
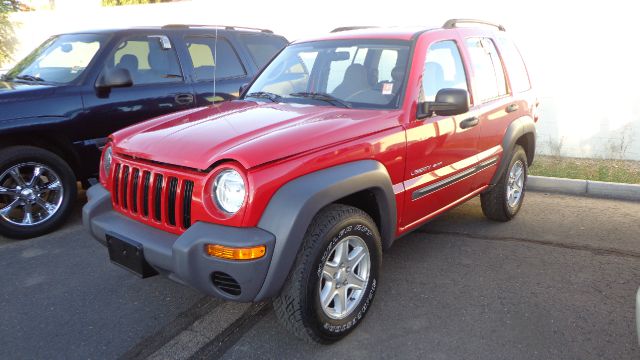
[[503, 201], [37, 191], [335, 277]]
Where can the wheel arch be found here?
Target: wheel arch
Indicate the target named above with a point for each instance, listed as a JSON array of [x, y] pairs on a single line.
[[47, 141], [292, 208], [521, 131]]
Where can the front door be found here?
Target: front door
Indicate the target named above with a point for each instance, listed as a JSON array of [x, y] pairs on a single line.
[[441, 150], [158, 87]]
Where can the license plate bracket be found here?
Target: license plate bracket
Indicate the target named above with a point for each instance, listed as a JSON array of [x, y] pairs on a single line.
[[129, 255]]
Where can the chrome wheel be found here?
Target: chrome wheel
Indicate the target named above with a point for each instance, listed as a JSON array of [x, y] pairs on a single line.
[[30, 194], [515, 184], [345, 275]]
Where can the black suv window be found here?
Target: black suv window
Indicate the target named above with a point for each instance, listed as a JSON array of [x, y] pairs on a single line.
[[263, 48], [147, 60], [442, 69], [207, 56], [488, 72], [518, 75]]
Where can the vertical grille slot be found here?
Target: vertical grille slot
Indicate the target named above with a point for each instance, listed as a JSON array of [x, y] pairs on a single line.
[[186, 203], [116, 185], [173, 191], [125, 186], [145, 193], [157, 198], [134, 190]]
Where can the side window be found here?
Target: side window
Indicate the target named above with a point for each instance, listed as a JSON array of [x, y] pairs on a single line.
[[147, 61], [518, 75], [209, 58], [490, 81], [388, 60], [443, 69], [263, 48]]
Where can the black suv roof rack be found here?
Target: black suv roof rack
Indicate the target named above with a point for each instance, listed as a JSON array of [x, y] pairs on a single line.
[[225, 27], [347, 28], [451, 23]]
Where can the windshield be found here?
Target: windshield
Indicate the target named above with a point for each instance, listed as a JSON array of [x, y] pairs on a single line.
[[347, 73], [59, 60]]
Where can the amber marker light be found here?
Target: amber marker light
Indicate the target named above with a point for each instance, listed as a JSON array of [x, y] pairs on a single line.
[[235, 253]]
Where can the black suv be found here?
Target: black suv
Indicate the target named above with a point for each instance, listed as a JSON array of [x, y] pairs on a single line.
[[59, 104]]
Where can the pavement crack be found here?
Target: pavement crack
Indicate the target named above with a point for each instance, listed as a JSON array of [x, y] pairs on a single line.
[[603, 251]]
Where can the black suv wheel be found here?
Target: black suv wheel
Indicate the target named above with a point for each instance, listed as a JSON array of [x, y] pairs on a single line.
[[504, 200], [37, 191]]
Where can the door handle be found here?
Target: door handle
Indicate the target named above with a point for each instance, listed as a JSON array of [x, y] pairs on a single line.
[[512, 107], [470, 122], [184, 99]]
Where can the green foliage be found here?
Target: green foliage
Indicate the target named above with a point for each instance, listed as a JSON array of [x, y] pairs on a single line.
[[7, 35], [131, 2]]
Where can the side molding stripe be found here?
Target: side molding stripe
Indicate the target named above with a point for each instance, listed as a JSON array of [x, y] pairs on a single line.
[[452, 179]]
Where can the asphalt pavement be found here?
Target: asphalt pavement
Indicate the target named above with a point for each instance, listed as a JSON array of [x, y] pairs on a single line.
[[558, 282]]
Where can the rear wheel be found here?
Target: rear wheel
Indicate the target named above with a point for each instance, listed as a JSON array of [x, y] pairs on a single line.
[[37, 189], [504, 200], [334, 279]]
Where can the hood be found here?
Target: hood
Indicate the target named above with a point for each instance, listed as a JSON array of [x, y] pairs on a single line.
[[14, 90], [248, 132]]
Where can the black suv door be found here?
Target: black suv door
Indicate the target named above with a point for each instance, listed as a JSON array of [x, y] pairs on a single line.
[[209, 59], [159, 86]]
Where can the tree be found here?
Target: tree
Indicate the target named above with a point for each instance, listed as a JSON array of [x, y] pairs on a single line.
[[131, 2], [7, 35]]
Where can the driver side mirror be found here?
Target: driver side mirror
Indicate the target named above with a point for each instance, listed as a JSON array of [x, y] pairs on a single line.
[[448, 102], [114, 78], [242, 89]]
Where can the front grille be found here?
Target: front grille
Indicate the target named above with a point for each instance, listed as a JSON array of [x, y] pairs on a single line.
[[152, 196], [226, 283]]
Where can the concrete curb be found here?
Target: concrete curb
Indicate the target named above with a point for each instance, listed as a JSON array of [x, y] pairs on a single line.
[[584, 187]]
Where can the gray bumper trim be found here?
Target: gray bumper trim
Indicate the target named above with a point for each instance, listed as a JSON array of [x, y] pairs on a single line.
[[182, 256]]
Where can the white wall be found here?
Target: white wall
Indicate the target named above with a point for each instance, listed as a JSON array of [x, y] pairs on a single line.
[[582, 56]]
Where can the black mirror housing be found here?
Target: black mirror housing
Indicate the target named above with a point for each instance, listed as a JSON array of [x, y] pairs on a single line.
[[114, 78], [242, 89], [448, 102]]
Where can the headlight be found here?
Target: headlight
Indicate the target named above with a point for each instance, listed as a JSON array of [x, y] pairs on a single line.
[[106, 160], [229, 191]]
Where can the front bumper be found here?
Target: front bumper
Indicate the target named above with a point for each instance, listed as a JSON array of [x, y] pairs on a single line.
[[182, 257]]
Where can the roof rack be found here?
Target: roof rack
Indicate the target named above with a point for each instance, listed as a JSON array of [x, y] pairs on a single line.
[[225, 27], [451, 23], [347, 28]]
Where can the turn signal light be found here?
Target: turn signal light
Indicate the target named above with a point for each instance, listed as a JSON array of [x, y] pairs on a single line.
[[234, 253]]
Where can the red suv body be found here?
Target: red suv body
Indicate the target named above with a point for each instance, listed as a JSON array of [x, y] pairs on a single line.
[[355, 138]]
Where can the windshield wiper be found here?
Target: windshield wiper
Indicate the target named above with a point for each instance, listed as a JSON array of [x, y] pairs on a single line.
[[322, 97], [265, 95], [29, 77]]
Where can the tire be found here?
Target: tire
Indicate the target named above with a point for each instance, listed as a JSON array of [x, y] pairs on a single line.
[[298, 307], [50, 195], [496, 203]]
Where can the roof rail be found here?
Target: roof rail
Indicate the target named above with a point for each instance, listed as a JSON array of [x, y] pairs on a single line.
[[451, 23], [347, 28], [226, 27]]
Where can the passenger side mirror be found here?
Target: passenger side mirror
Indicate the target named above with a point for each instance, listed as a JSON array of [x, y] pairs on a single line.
[[114, 78], [448, 102]]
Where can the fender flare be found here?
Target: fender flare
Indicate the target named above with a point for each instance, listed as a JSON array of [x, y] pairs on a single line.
[[517, 129], [292, 208]]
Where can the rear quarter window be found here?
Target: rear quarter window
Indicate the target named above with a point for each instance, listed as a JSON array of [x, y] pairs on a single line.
[[263, 48], [516, 68]]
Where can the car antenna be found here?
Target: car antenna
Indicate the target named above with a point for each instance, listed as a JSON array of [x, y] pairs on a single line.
[[215, 66]]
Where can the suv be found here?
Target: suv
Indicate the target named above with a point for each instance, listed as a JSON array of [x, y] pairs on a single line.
[[339, 147], [60, 103]]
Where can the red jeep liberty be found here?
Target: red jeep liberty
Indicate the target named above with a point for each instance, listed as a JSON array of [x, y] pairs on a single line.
[[339, 147]]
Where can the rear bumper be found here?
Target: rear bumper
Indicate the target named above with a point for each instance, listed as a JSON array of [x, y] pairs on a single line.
[[182, 257]]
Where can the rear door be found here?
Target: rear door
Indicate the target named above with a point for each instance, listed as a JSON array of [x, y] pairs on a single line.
[[262, 47], [496, 106], [217, 71], [158, 87], [441, 154]]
